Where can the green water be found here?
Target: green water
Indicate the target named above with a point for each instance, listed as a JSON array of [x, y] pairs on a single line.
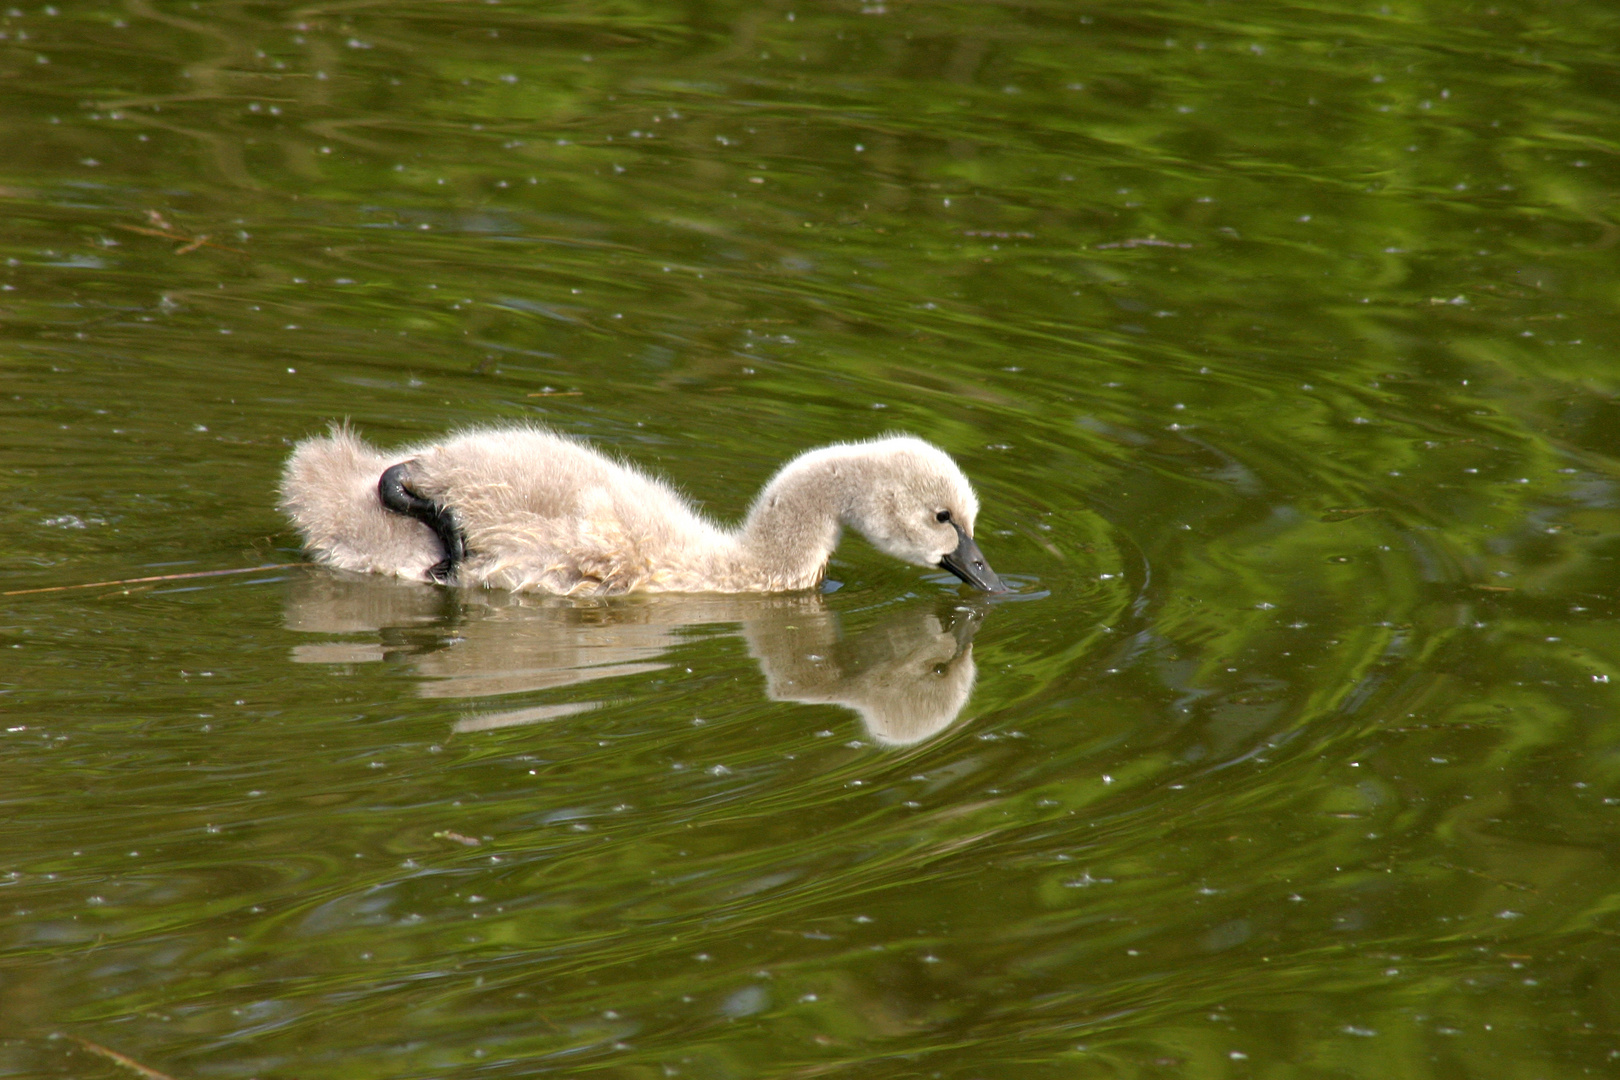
[[1278, 341]]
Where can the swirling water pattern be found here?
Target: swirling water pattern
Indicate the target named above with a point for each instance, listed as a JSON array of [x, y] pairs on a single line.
[[1278, 341]]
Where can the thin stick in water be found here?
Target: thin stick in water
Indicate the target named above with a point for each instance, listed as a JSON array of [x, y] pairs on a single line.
[[159, 577], [121, 1059]]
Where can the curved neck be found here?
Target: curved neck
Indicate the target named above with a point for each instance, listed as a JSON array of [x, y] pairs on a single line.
[[794, 525]]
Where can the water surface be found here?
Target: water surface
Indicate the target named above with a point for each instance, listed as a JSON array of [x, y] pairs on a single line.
[[1277, 340]]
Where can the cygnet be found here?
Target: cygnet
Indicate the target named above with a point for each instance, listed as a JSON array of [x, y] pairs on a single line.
[[525, 508]]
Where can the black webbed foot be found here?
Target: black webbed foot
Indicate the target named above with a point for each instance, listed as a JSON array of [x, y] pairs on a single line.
[[400, 499]]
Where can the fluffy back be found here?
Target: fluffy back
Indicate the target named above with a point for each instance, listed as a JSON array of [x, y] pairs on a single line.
[[329, 490], [550, 512]]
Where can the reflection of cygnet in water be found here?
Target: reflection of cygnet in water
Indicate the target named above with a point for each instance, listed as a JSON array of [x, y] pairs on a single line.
[[908, 676]]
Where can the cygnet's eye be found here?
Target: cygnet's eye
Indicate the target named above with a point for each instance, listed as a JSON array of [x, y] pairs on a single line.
[[943, 515]]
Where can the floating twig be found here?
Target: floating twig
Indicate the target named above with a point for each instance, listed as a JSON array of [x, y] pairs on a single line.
[[161, 227], [469, 841], [1139, 241], [159, 577], [1346, 513], [549, 392], [121, 1059], [1517, 886]]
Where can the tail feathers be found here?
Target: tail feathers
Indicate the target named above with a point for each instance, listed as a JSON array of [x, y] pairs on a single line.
[[329, 489]]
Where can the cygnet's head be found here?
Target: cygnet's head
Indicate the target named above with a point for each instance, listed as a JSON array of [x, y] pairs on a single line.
[[911, 501]]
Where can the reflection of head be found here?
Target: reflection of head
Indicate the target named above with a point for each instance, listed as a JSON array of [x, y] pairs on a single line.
[[909, 676]]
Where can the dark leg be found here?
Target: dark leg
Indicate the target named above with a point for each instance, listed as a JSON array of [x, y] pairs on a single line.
[[400, 499]]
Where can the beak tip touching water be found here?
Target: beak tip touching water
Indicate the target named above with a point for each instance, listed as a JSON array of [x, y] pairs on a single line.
[[968, 563]]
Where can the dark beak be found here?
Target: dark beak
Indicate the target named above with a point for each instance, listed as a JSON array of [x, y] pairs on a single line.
[[967, 562]]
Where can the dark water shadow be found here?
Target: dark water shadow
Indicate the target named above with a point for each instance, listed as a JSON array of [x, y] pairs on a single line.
[[908, 675]]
